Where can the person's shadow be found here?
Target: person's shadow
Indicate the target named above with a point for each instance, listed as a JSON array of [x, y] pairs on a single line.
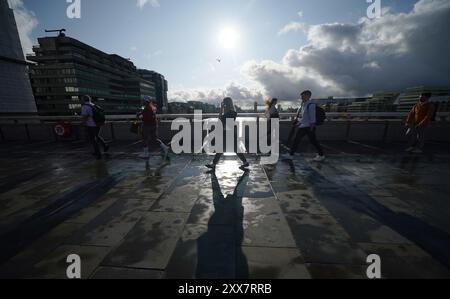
[[219, 250]]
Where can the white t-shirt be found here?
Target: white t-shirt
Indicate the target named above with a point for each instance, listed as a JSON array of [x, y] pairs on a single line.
[[308, 114]]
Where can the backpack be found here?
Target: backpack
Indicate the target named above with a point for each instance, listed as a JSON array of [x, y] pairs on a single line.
[[98, 114], [321, 115]]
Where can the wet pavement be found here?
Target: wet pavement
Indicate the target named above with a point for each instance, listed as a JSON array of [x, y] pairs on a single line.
[[128, 218]]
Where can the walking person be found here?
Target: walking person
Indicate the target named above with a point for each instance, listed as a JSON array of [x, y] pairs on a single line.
[[150, 129], [417, 123], [228, 111], [94, 119], [307, 125], [271, 113]]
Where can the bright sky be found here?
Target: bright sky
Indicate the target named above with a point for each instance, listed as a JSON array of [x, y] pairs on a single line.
[[184, 39]]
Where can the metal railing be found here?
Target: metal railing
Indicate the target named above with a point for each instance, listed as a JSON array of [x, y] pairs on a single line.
[[332, 116]]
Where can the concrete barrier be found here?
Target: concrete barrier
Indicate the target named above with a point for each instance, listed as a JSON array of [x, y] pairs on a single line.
[[40, 132], [333, 131], [14, 133], [376, 131]]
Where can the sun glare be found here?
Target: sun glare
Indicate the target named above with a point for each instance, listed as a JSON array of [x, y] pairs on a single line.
[[228, 38]]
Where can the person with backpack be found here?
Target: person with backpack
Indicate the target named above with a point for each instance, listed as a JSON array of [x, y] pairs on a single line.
[[150, 129], [419, 118], [94, 119], [308, 118]]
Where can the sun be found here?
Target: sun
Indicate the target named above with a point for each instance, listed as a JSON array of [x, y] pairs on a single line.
[[228, 38]]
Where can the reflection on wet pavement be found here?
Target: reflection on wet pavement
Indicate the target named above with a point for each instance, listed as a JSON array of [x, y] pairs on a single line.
[[130, 218]]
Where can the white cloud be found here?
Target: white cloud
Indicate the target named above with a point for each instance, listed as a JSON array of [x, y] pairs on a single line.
[[26, 22], [390, 53], [300, 14], [242, 95], [142, 3], [292, 26]]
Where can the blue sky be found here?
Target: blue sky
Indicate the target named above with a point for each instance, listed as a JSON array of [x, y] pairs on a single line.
[[179, 38]]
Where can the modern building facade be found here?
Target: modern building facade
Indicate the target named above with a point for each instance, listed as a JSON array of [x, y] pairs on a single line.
[[379, 102], [66, 69], [16, 96], [161, 88]]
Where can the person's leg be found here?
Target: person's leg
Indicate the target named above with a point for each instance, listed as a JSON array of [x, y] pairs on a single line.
[[146, 141], [156, 142], [243, 159], [298, 138], [291, 135], [421, 138], [313, 139], [92, 131], [101, 140], [269, 132], [412, 142], [217, 158]]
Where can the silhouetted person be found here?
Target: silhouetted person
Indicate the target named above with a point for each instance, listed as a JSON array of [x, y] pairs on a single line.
[[228, 111], [306, 126], [418, 121], [219, 250], [88, 112], [271, 113], [150, 129]]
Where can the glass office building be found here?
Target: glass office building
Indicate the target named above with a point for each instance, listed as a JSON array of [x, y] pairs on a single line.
[[16, 96], [66, 69]]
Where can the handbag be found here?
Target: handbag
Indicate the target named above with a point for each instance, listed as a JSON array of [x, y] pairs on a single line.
[[135, 127]]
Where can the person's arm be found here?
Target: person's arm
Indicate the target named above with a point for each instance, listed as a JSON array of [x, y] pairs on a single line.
[[272, 112], [409, 120], [297, 117], [428, 118]]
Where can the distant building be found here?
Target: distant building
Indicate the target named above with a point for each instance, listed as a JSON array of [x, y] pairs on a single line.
[[16, 95], [379, 102], [67, 69], [161, 88], [178, 108], [191, 106], [410, 97]]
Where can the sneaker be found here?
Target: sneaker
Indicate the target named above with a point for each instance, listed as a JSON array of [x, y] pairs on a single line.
[[409, 149], [244, 167], [319, 158], [417, 151], [211, 166]]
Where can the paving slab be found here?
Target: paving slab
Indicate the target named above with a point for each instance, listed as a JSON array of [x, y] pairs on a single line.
[[150, 244]]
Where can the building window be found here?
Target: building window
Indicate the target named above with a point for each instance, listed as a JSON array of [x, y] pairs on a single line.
[[72, 89], [74, 106]]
